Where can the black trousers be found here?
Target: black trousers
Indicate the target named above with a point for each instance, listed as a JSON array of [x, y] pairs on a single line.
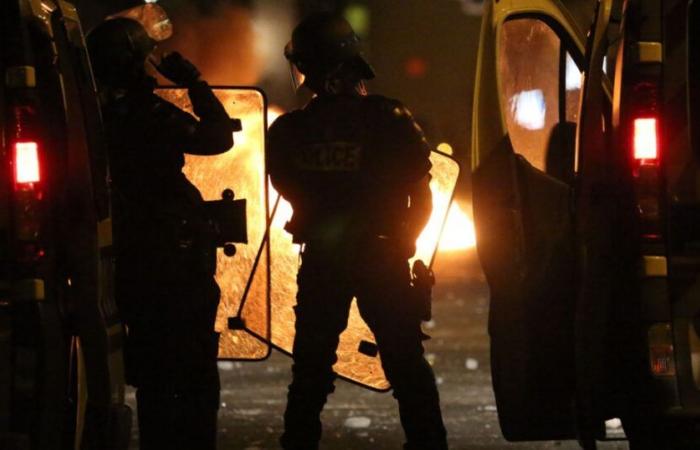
[[379, 278], [177, 421], [171, 354]]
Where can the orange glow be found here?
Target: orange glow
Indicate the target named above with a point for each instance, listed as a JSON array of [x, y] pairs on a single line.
[[458, 233], [284, 210], [26, 162], [645, 142], [273, 112]]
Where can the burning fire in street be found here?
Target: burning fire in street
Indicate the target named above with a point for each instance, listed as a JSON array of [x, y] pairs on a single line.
[[458, 233]]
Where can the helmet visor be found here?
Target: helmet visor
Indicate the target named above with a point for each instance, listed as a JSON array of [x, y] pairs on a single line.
[[152, 17], [298, 78]]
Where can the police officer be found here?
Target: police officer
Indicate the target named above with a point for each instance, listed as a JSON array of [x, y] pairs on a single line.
[[355, 169], [165, 261]]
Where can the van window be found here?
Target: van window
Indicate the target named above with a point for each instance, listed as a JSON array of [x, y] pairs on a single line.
[[540, 88]]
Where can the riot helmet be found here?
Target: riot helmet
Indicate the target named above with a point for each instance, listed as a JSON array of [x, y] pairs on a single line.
[[118, 50], [324, 45]]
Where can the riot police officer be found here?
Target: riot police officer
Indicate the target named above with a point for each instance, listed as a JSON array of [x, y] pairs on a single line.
[[355, 169], [165, 256]]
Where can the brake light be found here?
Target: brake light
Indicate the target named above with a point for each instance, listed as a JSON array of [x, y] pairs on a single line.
[[646, 144], [27, 163]]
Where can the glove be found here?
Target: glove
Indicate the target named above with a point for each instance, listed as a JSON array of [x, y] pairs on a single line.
[[422, 282], [178, 70]]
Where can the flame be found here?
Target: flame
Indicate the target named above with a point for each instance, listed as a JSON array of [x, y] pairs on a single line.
[[458, 233]]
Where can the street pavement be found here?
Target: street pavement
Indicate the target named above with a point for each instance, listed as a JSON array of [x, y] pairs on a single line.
[[254, 394]]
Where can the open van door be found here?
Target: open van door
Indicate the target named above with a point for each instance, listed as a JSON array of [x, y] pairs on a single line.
[[606, 257], [526, 112]]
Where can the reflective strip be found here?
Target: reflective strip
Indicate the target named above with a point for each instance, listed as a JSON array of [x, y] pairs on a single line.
[[42, 10], [69, 11], [655, 266], [650, 52], [104, 233], [20, 77], [31, 289]]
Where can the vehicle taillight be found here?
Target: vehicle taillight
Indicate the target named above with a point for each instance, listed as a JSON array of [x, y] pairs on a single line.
[[26, 163], [645, 149], [646, 144]]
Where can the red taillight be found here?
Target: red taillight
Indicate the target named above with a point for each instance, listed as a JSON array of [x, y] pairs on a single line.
[[646, 144], [27, 163]]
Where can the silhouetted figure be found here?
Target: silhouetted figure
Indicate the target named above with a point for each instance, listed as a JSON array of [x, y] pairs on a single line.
[[165, 254], [355, 169]]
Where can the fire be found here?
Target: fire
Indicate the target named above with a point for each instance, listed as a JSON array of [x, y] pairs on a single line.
[[458, 233]]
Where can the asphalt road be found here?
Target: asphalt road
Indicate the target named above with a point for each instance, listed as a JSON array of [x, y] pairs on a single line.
[[254, 394]]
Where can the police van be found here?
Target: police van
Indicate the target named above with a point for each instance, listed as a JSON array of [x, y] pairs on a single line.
[[60, 338], [585, 158]]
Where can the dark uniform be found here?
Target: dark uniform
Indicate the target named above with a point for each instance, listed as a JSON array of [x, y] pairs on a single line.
[[355, 169], [166, 256]]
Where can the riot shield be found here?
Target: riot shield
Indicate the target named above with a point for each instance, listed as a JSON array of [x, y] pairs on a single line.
[[355, 362], [244, 310], [152, 17]]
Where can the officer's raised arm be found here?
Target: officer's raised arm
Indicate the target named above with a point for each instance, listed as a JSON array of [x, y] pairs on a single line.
[[212, 134]]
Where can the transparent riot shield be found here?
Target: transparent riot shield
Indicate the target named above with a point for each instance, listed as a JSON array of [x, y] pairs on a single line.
[[244, 310], [152, 17], [356, 360]]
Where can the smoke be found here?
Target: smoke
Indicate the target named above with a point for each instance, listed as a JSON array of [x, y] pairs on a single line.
[[219, 40]]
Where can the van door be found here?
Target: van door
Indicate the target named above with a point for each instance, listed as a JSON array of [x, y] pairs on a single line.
[[607, 312], [526, 112]]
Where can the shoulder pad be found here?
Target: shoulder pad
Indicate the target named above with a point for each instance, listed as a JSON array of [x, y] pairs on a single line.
[[284, 121], [386, 104]]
